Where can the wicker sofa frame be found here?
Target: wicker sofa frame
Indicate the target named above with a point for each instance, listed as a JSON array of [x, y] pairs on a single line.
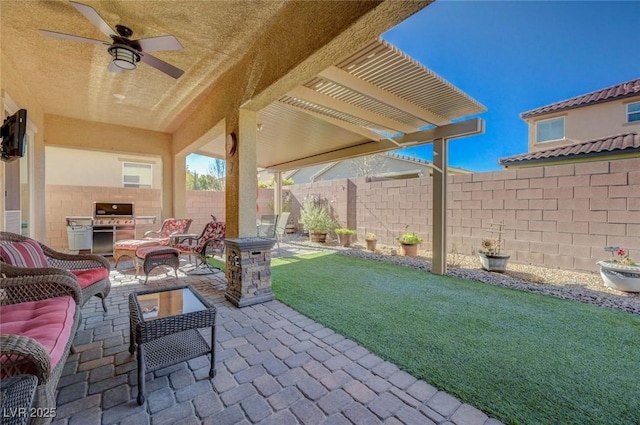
[[59, 262], [19, 351]]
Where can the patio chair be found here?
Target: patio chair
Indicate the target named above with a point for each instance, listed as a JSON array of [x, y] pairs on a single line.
[[208, 244], [267, 226], [170, 227], [90, 271], [281, 226]]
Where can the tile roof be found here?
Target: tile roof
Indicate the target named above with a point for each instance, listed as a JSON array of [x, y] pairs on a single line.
[[629, 142], [626, 89]]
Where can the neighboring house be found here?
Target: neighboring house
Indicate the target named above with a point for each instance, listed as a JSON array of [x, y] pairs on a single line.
[[603, 124], [375, 167]]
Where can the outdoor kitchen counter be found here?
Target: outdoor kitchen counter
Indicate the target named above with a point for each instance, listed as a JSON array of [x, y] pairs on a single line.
[[142, 219], [146, 219]]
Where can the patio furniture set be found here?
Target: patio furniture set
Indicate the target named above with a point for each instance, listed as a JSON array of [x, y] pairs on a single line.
[[42, 292], [164, 247]]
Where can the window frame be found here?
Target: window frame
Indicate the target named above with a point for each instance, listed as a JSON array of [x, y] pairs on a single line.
[[537, 132], [138, 184], [629, 113]]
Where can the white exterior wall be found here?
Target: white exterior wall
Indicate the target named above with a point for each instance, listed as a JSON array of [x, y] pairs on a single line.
[[90, 168]]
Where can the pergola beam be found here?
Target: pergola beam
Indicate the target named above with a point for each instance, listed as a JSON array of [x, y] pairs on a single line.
[[367, 89], [312, 96], [371, 135]]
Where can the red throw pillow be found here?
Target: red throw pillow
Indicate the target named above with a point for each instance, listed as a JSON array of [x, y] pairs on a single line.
[[23, 254]]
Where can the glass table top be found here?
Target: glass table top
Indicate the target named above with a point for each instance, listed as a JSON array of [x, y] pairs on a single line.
[[168, 303]]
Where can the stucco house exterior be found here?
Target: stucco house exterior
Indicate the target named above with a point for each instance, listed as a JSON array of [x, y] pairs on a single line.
[[603, 124]]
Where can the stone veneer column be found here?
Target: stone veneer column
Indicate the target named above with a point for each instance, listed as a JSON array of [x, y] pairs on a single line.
[[248, 270]]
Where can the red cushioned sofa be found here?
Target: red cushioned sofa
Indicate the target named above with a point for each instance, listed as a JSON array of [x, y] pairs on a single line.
[[90, 271], [40, 314]]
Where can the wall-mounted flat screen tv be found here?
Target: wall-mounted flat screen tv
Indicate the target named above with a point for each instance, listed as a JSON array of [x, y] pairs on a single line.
[[13, 133]]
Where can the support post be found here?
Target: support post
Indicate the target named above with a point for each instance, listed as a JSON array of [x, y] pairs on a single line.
[[241, 183], [277, 193], [439, 264]]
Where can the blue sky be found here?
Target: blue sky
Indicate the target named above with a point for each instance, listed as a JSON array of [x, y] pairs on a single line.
[[513, 56]]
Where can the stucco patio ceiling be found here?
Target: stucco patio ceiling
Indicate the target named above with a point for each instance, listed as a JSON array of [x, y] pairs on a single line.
[[358, 106], [308, 112]]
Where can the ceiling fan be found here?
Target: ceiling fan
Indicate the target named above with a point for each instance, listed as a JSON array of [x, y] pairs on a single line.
[[126, 53]]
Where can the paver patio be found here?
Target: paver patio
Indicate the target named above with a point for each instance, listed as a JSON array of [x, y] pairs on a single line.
[[274, 366]]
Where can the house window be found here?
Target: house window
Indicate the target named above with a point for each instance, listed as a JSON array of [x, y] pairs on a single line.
[[136, 175], [549, 130], [633, 112]]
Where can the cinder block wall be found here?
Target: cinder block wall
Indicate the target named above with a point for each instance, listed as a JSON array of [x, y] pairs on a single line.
[[64, 201], [558, 216]]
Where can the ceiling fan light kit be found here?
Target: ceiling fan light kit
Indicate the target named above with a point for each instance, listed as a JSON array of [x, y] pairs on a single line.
[[125, 53], [124, 57]]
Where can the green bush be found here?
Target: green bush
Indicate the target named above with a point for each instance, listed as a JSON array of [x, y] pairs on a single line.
[[344, 231], [410, 238], [316, 216]]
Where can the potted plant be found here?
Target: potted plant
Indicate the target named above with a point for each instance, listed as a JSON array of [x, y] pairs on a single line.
[[371, 240], [345, 236], [621, 273], [316, 218], [410, 242], [491, 257]]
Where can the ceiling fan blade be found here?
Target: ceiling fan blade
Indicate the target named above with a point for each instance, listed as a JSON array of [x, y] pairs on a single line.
[[164, 42], [161, 65], [114, 68], [71, 37], [93, 17]]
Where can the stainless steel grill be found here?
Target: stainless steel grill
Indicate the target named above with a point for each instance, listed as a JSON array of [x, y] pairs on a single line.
[[112, 222]]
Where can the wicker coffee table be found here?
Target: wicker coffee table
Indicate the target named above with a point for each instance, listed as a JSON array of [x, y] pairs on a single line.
[[164, 327], [16, 396]]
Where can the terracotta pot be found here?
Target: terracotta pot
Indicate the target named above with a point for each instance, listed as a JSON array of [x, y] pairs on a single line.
[[317, 236], [371, 244], [346, 240], [410, 250], [494, 262]]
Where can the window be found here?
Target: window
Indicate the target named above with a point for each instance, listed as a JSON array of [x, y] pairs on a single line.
[[136, 174], [633, 112], [549, 130]]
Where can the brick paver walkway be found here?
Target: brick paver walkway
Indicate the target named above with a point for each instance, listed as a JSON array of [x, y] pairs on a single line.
[[274, 366]]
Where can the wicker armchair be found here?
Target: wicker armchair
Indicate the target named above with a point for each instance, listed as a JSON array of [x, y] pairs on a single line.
[[21, 354], [80, 267]]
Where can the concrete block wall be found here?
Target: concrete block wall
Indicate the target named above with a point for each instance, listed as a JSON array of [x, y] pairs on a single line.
[[62, 201], [201, 204], [558, 216]]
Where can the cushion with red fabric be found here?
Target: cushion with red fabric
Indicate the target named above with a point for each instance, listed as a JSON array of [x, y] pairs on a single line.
[[27, 253], [90, 276], [48, 321]]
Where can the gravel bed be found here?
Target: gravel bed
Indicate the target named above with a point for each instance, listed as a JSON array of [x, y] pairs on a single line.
[[578, 286]]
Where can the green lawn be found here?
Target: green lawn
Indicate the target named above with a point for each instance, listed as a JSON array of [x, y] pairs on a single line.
[[521, 357]]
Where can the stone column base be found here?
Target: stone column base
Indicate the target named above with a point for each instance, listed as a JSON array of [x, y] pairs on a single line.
[[248, 271]]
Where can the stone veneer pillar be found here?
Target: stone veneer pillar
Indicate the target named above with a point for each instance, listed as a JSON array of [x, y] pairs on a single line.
[[248, 270]]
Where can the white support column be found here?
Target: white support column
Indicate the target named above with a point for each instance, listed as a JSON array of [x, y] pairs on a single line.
[[277, 193], [439, 265]]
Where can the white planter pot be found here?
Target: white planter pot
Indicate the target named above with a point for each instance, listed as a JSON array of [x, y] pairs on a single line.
[[620, 277], [494, 262]]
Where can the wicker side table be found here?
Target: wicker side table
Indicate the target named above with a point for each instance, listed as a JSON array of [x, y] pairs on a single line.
[[16, 394], [164, 326]]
